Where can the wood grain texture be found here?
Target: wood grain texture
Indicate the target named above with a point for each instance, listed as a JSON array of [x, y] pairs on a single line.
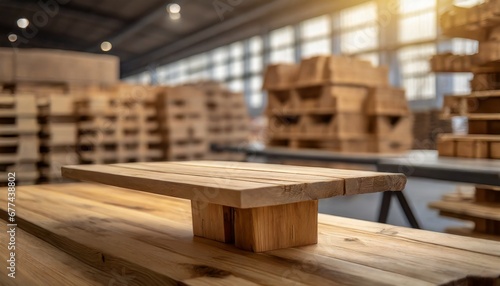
[[486, 211], [148, 238], [213, 221], [240, 185], [39, 263], [269, 228]]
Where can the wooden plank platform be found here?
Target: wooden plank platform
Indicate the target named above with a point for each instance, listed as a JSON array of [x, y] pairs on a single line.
[[240, 185], [257, 207], [146, 239]]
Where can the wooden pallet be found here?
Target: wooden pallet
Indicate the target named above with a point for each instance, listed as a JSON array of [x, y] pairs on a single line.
[[19, 144], [469, 146], [482, 208], [449, 62], [336, 103], [280, 76], [119, 124], [340, 70], [227, 119], [182, 113], [58, 136]]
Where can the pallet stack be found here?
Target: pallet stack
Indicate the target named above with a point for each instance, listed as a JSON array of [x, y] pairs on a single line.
[[58, 135], [481, 206], [183, 123], [228, 120], [336, 103], [449, 62], [482, 108], [482, 105], [118, 125], [19, 150], [430, 126]]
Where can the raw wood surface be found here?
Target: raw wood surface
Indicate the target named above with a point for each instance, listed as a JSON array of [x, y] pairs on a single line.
[[465, 231], [489, 211], [240, 185], [147, 239], [39, 263]]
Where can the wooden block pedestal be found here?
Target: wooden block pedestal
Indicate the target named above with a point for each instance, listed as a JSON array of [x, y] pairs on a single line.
[[256, 207], [258, 229]]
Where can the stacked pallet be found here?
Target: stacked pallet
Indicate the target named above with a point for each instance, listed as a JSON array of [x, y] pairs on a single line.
[[336, 103], [477, 22], [183, 123], [430, 126], [449, 62], [118, 125], [228, 120], [482, 105], [58, 134], [481, 207], [19, 151], [482, 109]]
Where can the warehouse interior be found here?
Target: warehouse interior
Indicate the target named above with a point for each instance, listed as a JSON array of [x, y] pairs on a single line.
[[195, 99]]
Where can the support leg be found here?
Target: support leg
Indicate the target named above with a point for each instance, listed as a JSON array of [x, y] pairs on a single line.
[[275, 227], [384, 207], [213, 221], [258, 229], [407, 210]]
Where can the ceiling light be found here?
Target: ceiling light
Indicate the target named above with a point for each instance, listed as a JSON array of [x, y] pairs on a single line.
[[23, 23], [12, 38], [173, 8], [106, 46], [175, 16]]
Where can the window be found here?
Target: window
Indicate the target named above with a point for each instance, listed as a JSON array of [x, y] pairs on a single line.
[[319, 27], [256, 98], [315, 34], [415, 71], [282, 37], [358, 28], [317, 47], [467, 3], [282, 49], [417, 20], [236, 85]]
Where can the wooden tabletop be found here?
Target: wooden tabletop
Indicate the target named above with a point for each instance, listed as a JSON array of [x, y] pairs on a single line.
[[101, 235], [234, 184]]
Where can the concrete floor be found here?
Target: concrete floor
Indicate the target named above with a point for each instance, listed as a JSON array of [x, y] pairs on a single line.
[[419, 192]]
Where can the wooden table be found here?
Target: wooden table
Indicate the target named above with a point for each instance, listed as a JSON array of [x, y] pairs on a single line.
[[258, 207], [86, 234]]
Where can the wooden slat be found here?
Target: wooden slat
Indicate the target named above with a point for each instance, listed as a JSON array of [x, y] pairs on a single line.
[[485, 211], [237, 185], [150, 238], [356, 182]]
